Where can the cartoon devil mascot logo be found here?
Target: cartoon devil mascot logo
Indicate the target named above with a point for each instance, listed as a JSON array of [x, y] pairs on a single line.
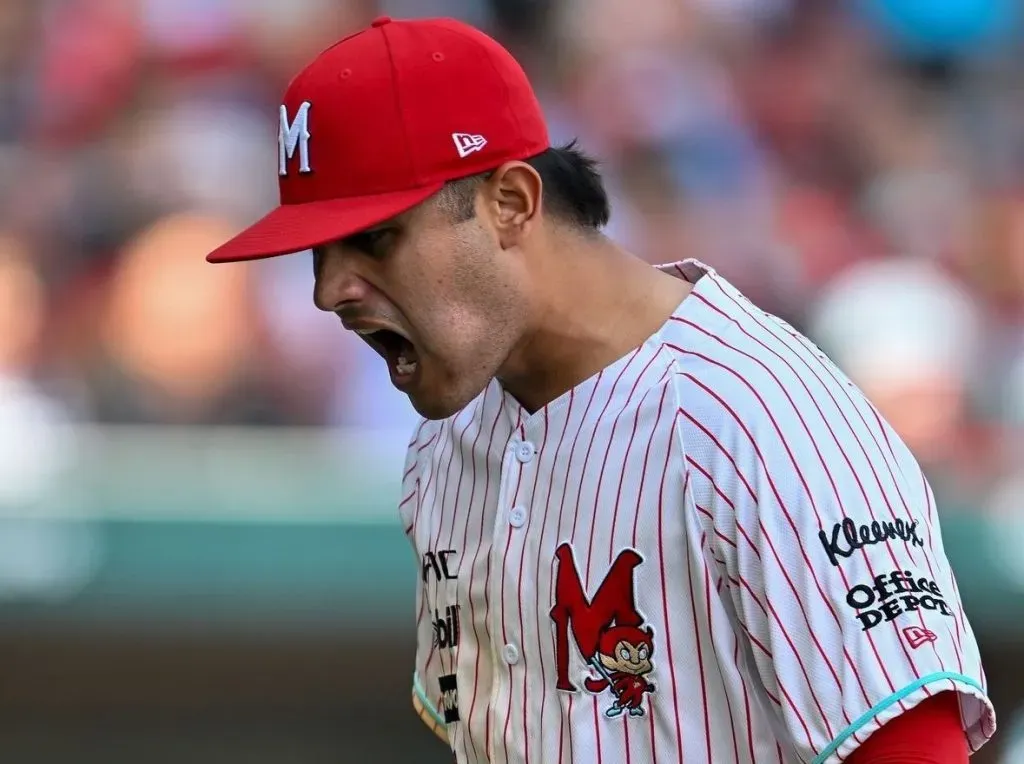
[[608, 632], [623, 657]]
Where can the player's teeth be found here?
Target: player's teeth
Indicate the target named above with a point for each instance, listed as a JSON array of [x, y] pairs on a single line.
[[404, 366]]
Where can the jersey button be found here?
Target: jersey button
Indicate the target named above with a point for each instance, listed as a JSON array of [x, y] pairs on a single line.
[[517, 517], [511, 654], [525, 451]]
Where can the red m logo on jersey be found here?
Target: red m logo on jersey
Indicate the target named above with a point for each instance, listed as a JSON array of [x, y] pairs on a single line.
[[614, 603]]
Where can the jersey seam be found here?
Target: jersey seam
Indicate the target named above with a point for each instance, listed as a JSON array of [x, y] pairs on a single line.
[[677, 428], [883, 704]]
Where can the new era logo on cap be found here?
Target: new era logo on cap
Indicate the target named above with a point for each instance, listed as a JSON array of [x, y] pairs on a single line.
[[467, 143]]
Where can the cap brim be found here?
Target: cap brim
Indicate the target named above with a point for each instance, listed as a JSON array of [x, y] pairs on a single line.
[[295, 228]]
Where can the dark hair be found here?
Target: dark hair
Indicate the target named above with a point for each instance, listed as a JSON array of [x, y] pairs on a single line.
[[573, 190]]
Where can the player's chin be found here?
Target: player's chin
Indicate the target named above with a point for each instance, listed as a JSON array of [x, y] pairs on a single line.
[[441, 401], [433, 407]]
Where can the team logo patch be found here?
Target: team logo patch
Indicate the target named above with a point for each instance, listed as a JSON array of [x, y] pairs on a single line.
[[606, 629]]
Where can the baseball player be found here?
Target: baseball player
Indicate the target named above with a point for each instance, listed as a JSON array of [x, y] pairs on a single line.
[[654, 523]]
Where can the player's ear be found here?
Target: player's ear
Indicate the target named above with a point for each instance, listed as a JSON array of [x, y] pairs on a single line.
[[513, 194]]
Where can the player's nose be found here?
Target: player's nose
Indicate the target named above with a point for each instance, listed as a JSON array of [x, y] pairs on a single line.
[[338, 282]]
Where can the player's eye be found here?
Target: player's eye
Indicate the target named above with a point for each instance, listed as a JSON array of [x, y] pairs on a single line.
[[643, 653], [625, 654], [374, 243]]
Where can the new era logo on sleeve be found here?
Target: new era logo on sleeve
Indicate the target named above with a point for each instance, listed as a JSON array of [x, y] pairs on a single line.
[[291, 136], [467, 143], [918, 635]]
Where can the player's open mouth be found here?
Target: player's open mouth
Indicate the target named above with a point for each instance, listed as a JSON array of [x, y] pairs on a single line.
[[397, 350]]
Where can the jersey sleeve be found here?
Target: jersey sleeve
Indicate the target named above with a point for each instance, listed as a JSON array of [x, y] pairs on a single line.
[[408, 508], [832, 553]]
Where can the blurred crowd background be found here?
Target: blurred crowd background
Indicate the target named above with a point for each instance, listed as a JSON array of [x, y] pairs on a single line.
[[856, 168]]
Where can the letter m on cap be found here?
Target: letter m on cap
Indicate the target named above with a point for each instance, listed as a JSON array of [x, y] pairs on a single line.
[[290, 136]]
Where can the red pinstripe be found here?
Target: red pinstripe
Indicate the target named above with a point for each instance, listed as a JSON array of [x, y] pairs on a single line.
[[431, 544], [757, 643], [453, 667], [746, 697], [432, 438], [583, 472], [410, 445], [519, 595], [625, 459], [722, 495], [647, 455], [462, 557], [718, 534], [664, 589], [487, 606], [636, 517], [416, 512], [544, 528], [696, 636], [450, 441], [454, 511], [522, 557], [501, 599]]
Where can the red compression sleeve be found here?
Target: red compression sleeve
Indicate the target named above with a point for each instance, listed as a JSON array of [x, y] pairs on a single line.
[[929, 733]]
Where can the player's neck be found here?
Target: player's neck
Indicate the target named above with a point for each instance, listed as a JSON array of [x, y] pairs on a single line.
[[597, 303]]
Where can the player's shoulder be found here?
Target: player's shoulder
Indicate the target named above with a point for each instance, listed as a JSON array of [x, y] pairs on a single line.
[[736, 362]]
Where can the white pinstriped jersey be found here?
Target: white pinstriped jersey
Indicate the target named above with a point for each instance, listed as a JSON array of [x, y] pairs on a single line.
[[714, 550]]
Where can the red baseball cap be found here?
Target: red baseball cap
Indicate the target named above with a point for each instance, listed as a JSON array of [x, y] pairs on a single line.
[[380, 121]]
